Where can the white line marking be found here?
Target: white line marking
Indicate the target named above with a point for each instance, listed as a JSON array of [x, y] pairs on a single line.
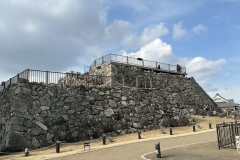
[[143, 156]]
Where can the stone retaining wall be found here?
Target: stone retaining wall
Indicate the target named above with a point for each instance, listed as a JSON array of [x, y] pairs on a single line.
[[34, 115]]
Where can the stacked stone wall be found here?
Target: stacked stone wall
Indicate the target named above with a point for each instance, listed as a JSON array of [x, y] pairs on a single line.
[[34, 115]]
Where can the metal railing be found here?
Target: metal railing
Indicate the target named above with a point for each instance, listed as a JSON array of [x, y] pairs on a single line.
[[226, 133], [137, 62], [76, 78]]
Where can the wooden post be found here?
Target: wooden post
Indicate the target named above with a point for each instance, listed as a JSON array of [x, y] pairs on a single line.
[[150, 83], [46, 77], [104, 80], [27, 71], [123, 81], [136, 82], [85, 82], [127, 59]]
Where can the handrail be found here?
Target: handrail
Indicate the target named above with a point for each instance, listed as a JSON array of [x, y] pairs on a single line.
[[137, 62]]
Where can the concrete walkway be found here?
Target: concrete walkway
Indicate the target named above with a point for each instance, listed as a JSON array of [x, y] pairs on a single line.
[[206, 148]]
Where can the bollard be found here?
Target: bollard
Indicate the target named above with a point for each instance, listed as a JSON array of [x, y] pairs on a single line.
[[139, 134], [170, 130], [194, 130], [158, 151], [104, 139], [57, 146], [26, 152], [210, 126]]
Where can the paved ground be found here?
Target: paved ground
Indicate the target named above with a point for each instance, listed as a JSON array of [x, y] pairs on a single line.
[[205, 149]]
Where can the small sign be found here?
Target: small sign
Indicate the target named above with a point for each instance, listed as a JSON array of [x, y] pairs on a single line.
[[86, 144]]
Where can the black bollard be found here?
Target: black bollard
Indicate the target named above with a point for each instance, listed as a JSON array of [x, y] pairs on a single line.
[[26, 153], [170, 130], [57, 146], [210, 126], [158, 151], [194, 130], [104, 139], [139, 134]]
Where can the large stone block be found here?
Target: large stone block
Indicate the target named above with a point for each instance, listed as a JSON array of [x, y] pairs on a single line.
[[14, 142]]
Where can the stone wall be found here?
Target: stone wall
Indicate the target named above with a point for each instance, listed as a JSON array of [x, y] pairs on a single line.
[[190, 92], [34, 115]]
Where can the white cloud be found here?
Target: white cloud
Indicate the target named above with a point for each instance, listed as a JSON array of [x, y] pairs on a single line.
[[155, 51], [118, 30], [200, 67], [199, 28], [66, 30], [179, 32], [151, 32], [207, 85]]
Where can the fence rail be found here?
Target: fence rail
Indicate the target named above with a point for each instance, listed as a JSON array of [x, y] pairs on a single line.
[[76, 78], [226, 133], [137, 62]]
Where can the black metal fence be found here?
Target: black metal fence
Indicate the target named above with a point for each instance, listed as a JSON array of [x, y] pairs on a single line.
[[226, 133], [76, 78], [137, 62]]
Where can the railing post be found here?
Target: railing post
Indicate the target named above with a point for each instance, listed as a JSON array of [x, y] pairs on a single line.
[[27, 71], [110, 57], [156, 65], [142, 62], [102, 60], [3, 84], [46, 77], [127, 59], [136, 82], [17, 77], [123, 81], [169, 67], [85, 78], [71, 77], [95, 63]]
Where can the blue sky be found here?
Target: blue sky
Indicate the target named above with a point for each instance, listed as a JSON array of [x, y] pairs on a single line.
[[65, 35]]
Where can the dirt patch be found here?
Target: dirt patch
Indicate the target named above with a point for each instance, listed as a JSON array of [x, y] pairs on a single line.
[[74, 148]]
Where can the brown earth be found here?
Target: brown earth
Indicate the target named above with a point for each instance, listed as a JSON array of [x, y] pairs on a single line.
[[74, 148]]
